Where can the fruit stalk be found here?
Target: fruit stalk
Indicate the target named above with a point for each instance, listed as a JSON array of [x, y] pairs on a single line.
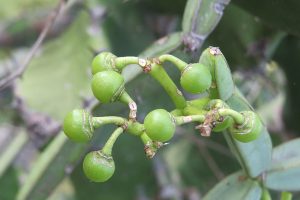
[[176, 61], [237, 117], [122, 62], [99, 121], [107, 149], [187, 119], [158, 73]]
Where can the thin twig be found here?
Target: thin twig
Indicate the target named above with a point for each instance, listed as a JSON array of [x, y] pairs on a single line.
[[50, 21], [209, 144], [208, 157]]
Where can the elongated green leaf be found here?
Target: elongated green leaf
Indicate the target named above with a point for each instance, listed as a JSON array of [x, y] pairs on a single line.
[[201, 17], [223, 85], [255, 156], [51, 167], [284, 172], [224, 80], [12, 150], [237, 187]]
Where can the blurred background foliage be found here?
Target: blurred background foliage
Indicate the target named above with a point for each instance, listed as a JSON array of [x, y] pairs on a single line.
[[260, 40]]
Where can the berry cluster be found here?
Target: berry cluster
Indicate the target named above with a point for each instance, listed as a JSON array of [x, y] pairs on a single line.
[[108, 85]]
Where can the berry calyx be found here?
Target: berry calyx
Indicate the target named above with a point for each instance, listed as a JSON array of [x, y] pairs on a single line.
[[98, 167], [78, 125], [159, 125], [222, 122], [103, 62], [195, 78], [249, 130], [107, 86]]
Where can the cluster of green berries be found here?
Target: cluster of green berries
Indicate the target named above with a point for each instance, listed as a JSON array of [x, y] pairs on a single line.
[[108, 85]]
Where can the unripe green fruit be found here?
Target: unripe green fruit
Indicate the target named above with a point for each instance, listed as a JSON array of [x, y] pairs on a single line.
[[159, 125], [249, 130], [195, 78], [103, 61], [78, 125], [98, 167], [107, 86]]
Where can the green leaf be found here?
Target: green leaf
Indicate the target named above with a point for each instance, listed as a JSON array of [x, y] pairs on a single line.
[[57, 80], [50, 168], [223, 77], [255, 156], [284, 172], [235, 186], [223, 85]]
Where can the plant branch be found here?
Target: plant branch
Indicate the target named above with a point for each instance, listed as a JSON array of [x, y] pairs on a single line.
[[50, 21]]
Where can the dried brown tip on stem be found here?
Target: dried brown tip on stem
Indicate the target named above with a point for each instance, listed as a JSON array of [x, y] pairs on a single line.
[[205, 129], [133, 110], [145, 64], [150, 153], [214, 51]]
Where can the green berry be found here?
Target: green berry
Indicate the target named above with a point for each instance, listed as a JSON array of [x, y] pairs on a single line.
[[98, 167], [103, 61], [107, 86], [78, 125], [195, 78], [159, 125], [249, 130]]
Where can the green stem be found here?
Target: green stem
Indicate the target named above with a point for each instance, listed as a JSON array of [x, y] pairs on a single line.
[[125, 98], [111, 141], [237, 117], [121, 62], [286, 196], [265, 194], [187, 119], [145, 138], [158, 73], [181, 65], [99, 121], [135, 128]]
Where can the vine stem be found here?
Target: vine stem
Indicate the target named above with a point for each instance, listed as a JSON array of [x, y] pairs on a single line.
[[107, 149], [158, 73], [181, 65], [99, 121], [145, 138], [237, 117], [187, 119], [121, 62], [286, 196]]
